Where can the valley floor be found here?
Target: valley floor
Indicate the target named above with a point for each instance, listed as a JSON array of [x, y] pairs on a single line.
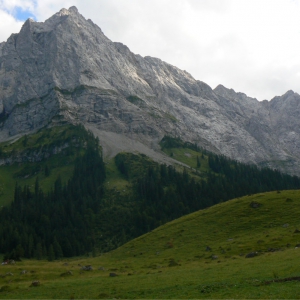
[[235, 277]]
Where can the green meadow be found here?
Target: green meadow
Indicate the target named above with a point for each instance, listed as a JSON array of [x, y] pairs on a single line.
[[201, 255]]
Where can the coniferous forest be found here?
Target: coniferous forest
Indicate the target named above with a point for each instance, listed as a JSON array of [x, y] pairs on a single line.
[[80, 217], [59, 223]]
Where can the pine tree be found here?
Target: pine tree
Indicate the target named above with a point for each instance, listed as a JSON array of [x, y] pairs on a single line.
[[57, 249], [51, 255], [36, 187], [39, 251], [198, 162], [19, 252], [47, 171]]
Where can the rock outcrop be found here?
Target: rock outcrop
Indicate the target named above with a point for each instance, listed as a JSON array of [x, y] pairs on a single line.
[[66, 70]]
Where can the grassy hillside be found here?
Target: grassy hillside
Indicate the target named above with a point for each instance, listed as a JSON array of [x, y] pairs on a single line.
[[201, 255], [49, 153]]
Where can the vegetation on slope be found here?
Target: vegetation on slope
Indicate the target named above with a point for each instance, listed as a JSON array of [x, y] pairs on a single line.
[[49, 153], [174, 261], [88, 214], [162, 193], [61, 222]]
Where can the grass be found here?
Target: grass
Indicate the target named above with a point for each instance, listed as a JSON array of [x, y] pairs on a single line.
[[57, 148], [172, 261], [170, 117], [58, 165], [114, 178], [202, 255], [188, 157], [116, 184], [136, 100]]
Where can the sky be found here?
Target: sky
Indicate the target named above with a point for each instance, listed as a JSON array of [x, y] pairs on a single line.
[[251, 46]]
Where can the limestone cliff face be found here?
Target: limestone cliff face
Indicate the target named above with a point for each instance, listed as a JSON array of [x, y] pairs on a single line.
[[67, 70]]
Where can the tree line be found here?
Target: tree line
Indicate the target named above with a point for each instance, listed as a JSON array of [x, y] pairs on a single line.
[[81, 216], [59, 223], [164, 194]]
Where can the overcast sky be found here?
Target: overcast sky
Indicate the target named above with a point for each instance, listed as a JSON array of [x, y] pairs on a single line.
[[252, 46]]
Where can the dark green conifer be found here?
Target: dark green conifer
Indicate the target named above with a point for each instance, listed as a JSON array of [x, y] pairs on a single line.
[[47, 171], [39, 251], [57, 249], [51, 255]]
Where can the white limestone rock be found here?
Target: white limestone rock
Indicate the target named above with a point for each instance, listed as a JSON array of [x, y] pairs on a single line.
[[66, 69]]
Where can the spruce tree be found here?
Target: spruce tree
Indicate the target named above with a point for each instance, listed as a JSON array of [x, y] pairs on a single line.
[[198, 162], [39, 251], [57, 249], [51, 255]]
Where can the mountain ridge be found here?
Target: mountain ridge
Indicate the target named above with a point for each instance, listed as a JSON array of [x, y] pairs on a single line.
[[66, 70]]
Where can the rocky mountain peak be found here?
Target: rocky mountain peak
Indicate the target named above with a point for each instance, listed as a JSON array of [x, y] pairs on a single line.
[[287, 97], [66, 70], [223, 91], [232, 94], [289, 94], [58, 18], [73, 9], [66, 12]]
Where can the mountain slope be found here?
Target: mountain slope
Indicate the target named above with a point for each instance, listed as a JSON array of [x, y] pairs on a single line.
[[262, 223], [47, 154], [67, 202], [67, 70], [201, 255]]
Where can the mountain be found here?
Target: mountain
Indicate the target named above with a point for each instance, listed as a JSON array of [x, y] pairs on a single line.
[[65, 70]]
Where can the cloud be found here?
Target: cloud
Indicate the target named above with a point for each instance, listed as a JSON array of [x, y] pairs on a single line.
[[8, 26], [20, 9], [251, 46], [12, 15], [10, 5]]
